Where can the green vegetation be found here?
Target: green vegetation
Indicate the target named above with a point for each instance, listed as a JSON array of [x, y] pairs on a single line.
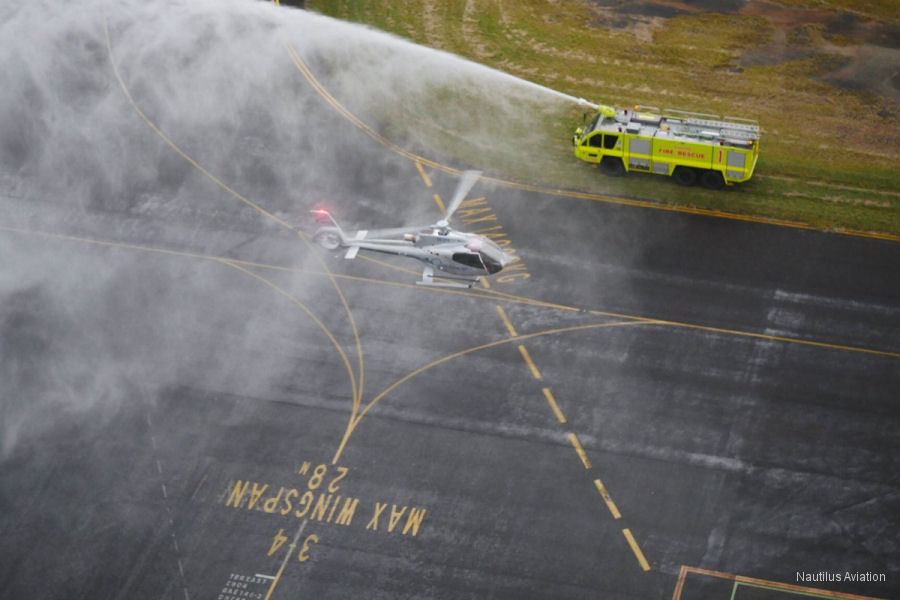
[[829, 155]]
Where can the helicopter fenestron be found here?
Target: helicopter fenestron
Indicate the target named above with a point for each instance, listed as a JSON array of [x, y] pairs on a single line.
[[458, 256]]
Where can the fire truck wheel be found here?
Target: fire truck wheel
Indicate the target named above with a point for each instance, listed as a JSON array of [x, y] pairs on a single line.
[[712, 180], [612, 166], [685, 176]]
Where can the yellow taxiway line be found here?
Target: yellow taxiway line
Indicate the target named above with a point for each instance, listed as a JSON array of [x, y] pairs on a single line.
[[636, 549]]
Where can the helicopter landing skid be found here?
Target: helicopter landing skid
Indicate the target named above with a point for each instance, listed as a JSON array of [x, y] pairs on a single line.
[[428, 279]]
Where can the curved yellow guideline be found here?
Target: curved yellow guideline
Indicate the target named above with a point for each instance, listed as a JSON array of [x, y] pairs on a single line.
[[357, 386]]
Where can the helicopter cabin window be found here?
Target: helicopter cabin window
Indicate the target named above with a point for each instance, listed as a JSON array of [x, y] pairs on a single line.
[[609, 141], [595, 141], [470, 260]]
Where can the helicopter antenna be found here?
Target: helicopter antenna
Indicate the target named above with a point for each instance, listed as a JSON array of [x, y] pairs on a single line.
[[465, 185]]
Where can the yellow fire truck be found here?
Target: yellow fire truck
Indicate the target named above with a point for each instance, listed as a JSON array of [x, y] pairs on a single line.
[[688, 146]]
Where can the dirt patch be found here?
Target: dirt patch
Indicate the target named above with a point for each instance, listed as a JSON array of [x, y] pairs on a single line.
[[848, 51], [863, 55], [470, 31], [867, 31], [785, 17], [670, 8], [616, 15], [433, 24], [873, 69]]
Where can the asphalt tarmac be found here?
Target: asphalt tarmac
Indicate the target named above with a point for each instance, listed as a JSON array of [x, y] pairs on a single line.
[[650, 404]]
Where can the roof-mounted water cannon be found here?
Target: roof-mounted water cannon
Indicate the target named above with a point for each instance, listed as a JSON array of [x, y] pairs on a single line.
[[606, 111]]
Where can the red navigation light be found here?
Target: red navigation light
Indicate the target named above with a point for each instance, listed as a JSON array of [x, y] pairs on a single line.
[[321, 215]]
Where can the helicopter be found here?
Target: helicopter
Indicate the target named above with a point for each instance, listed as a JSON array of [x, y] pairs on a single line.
[[460, 257]]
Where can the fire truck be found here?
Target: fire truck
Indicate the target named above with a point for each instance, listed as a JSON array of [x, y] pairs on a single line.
[[691, 147]]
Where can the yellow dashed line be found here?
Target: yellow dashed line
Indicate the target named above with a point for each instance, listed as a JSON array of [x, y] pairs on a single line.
[[494, 344], [465, 352], [606, 498], [552, 401], [573, 439], [581, 453], [424, 175], [529, 362], [636, 549], [507, 322], [484, 282]]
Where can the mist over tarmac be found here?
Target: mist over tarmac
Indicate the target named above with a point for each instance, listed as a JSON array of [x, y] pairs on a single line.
[[84, 329], [148, 147]]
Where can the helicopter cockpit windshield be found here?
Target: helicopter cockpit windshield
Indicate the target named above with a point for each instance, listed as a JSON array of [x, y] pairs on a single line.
[[485, 258], [492, 264], [469, 259]]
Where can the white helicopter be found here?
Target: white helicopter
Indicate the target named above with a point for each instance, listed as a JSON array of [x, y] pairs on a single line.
[[463, 257]]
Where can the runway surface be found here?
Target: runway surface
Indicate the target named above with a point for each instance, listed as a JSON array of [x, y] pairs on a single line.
[[201, 404]]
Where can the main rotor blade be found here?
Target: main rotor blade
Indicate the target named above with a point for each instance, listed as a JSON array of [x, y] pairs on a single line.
[[465, 184]]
